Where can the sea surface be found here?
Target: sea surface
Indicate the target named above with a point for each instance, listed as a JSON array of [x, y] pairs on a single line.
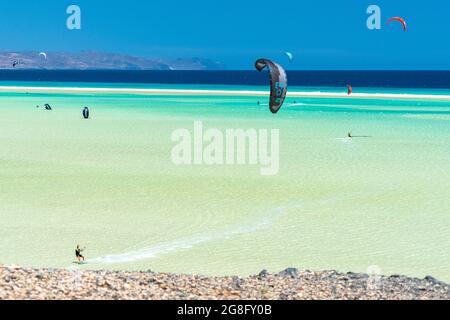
[[108, 183], [372, 79]]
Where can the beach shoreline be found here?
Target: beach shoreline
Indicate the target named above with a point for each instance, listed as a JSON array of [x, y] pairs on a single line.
[[17, 283], [243, 93]]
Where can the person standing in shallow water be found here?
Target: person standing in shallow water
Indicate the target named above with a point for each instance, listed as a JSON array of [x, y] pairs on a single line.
[[78, 254]]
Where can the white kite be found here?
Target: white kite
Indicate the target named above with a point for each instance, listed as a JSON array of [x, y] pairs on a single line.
[[290, 56]]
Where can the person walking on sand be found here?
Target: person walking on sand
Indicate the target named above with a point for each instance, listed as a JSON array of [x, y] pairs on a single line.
[[78, 254]]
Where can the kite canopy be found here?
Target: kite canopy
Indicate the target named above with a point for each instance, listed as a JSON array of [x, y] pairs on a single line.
[[402, 21], [350, 89], [290, 56], [86, 113], [278, 83], [43, 54]]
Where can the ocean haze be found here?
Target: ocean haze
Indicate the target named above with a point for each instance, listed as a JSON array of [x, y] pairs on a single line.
[[91, 60]]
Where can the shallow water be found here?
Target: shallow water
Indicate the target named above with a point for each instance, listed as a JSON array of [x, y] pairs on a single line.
[[108, 183]]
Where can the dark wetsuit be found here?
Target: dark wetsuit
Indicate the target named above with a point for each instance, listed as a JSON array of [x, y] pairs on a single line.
[[78, 254]]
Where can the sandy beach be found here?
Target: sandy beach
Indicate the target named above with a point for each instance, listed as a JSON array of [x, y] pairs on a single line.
[[223, 93], [291, 284]]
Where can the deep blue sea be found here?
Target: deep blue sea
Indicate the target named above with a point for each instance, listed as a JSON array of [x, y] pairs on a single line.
[[368, 79]]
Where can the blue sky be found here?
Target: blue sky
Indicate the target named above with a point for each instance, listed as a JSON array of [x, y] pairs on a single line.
[[322, 34]]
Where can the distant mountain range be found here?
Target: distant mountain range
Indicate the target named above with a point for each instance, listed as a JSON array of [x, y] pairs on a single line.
[[100, 61]]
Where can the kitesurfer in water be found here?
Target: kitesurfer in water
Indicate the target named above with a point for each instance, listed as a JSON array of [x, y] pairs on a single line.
[[78, 254]]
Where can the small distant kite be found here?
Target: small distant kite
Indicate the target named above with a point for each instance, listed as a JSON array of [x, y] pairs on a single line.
[[278, 82], [290, 56], [43, 54], [15, 64], [86, 113], [401, 20], [349, 89]]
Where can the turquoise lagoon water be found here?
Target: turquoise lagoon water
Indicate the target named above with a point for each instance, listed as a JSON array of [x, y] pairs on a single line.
[[109, 184]]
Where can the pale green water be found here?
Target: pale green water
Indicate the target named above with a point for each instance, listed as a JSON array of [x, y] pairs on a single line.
[[108, 183]]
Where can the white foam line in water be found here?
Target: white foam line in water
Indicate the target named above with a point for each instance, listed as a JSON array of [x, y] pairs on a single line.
[[184, 244], [297, 105], [318, 94], [443, 117]]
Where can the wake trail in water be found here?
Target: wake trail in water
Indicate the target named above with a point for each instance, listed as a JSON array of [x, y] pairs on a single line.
[[188, 243]]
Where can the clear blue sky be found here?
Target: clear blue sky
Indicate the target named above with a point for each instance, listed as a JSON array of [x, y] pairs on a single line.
[[323, 34]]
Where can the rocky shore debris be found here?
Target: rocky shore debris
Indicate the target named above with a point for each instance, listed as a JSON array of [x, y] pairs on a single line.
[[18, 283]]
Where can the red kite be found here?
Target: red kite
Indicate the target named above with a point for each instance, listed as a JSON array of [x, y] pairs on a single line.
[[403, 22], [350, 89]]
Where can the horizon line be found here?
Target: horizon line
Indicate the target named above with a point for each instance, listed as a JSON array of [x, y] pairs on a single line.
[[231, 70]]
